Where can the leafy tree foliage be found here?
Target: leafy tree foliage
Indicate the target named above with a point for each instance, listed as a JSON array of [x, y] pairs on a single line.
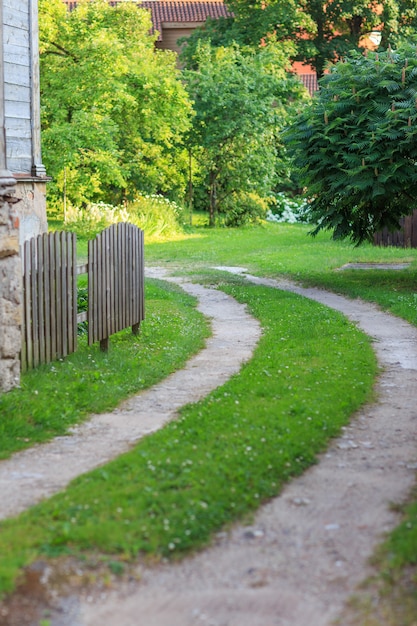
[[356, 144], [324, 32], [399, 18], [343, 25], [241, 99], [253, 24], [339, 27], [114, 110]]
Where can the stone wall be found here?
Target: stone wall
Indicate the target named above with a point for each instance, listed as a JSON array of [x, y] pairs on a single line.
[[32, 207], [10, 286]]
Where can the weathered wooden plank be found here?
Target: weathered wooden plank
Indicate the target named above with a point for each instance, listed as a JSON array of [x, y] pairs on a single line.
[[106, 235], [63, 294], [71, 304], [18, 37], [19, 5], [112, 234], [136, 301], [17, 75], [17, 16], [53, 287], [92, 291], [58, 282], [74, 292], [41, 298], [142, 275], [99, 276], [47, 298], [123, 272], [17, 110], [18, 128], [117, 280], [27, 306], [35, 301]]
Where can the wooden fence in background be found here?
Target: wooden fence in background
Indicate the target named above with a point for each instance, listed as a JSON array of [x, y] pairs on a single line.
[[404, 238], [115, 271]]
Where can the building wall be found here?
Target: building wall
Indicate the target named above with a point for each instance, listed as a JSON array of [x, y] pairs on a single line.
[[172, 32], [17, 88], [22, 113]]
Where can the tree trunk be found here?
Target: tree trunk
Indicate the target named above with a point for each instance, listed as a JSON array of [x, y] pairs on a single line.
[[213, 197]]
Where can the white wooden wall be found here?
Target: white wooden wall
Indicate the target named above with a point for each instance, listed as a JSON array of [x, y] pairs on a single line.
[[17, 85]]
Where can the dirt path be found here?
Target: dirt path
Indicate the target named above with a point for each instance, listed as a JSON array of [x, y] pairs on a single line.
[[307, 549]]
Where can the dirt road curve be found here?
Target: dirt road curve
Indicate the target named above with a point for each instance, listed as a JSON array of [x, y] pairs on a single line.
[[306, 550]]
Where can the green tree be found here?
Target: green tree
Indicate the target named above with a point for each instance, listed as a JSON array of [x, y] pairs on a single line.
[[399, 19], [339, 27], [241, 99], [253, 24], [355, 146], [324, 32], [114, 110]]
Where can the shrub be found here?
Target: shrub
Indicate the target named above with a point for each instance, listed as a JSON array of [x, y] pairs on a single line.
[[157, 216], [242, 208], [289, 210], [356, 147]]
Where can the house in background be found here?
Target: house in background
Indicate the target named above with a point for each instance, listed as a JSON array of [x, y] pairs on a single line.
[[20, 112], [173, 19]]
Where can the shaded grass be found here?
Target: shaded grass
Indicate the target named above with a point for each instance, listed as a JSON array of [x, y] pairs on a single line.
[[224, 455], [55, 396]]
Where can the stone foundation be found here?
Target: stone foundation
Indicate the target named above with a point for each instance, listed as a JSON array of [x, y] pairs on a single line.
[[31, 209], [10, 286]]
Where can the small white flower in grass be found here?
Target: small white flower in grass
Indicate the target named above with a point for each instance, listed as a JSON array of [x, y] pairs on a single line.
[[171, 546]]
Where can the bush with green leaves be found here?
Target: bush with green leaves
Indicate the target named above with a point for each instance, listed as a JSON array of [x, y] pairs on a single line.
[[156, 215], [287, 209], [355, 145]]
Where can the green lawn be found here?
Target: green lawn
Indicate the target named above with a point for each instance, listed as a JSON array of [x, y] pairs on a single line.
[[303, 383]]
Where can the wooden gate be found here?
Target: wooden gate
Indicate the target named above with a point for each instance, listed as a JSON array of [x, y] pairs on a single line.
[[115, 271], [49, 329], [115, 282]]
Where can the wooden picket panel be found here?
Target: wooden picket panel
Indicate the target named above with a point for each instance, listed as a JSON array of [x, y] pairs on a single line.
[[115, 282], [49, 328], [115, 271]]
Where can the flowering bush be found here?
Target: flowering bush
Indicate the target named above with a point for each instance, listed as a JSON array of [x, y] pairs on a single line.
[[289, 210], [157, 216]]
